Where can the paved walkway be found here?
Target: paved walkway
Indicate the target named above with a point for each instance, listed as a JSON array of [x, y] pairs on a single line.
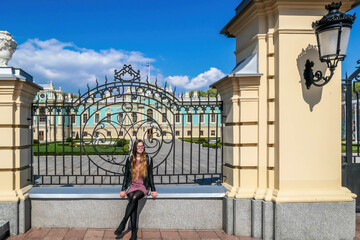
[[143, 234]]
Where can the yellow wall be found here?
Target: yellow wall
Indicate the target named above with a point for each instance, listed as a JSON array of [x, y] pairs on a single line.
[[282, 140], [15, 98]]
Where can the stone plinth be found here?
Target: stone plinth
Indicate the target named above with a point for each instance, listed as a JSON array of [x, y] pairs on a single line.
[[17, 92]]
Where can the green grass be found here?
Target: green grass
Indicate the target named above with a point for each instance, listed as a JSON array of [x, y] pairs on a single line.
[[66, 149], [204, 141], [354, 149]]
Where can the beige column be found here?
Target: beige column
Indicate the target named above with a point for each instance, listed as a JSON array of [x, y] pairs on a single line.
[[282, 141], [240, 96], [16, 95], [307, 121]]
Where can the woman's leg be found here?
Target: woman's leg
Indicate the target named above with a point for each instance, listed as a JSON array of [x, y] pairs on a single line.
[[137, 195], [131, 209], [133, 218]]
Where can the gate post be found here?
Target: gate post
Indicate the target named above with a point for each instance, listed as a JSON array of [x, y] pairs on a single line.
[[17, 92], [282, 150]]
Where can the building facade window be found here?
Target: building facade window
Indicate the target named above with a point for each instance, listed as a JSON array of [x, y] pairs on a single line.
[[108, 133], [134, 117], [212, 132], [97, 118], [213, 117], [72, 118], [189, 133], [42, 115], [121, 117], [84, 118], [177, 117], [121, 133], [164, 117], [201, 133], [177, 133], [134, 133], [108, 117], [41, 135], [149, 114], [189, 117], [201, 117]]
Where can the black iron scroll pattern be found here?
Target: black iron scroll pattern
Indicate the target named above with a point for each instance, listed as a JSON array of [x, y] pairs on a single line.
[[110, 117], [127, 70], [117, 131]]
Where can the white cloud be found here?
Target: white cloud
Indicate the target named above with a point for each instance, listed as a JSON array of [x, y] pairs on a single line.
[[70, 66], [203, 80]]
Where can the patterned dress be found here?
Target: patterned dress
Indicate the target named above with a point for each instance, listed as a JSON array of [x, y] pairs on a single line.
[[139, 183]]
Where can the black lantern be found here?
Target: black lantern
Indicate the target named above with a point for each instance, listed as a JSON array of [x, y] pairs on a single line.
[[332, 33]]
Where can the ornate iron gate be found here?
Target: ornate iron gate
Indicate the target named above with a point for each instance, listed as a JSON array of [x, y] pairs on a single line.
[[85, 139], [350, 133]]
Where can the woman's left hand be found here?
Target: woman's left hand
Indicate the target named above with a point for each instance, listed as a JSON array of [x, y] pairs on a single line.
[[154, 194]]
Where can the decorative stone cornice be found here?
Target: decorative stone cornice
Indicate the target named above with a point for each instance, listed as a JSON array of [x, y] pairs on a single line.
[[250, 9]]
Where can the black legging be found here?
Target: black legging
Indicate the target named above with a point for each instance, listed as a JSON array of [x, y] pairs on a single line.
[[131, 209]]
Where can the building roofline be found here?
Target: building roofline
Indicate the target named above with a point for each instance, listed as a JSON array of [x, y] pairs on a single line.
[[238, 10], [245, 3], [357, 3], [244, 75]]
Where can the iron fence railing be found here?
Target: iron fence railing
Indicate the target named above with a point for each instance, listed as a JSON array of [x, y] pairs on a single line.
[[85, 139]]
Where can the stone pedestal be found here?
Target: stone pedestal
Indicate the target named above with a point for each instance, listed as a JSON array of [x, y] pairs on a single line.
[[17, 92]]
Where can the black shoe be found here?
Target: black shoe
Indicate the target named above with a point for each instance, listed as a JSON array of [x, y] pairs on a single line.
[[133, 234], [120, 229]]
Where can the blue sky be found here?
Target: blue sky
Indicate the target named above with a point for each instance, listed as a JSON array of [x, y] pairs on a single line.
[[75, 42]]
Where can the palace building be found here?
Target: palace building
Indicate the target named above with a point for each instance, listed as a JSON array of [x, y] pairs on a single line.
[[144, 113]]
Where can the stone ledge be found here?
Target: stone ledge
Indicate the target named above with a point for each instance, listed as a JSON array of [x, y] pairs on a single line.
[[184, 213], [10, 73], [4, 229], [165, 192]]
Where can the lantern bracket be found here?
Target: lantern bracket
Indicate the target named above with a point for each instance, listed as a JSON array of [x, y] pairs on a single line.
[[316, 79]]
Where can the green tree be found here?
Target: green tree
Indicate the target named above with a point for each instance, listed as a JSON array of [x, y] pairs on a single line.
[[211, 92]]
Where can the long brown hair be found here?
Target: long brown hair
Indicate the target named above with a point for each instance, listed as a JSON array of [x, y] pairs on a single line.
[[143, 164]]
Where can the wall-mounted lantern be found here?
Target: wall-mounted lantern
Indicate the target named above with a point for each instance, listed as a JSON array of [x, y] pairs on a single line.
[[332, 33]]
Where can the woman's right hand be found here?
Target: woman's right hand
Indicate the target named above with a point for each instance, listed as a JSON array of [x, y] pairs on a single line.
[[122, 194]]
